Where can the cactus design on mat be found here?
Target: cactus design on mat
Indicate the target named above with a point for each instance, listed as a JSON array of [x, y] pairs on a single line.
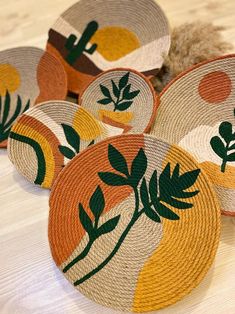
[[122, 97], [74, 140], [6, 122], [224, 145], [155, 199], [75, 50]]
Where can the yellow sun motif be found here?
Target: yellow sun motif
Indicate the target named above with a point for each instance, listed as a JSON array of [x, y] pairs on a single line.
[[115, 42], [9, 79]]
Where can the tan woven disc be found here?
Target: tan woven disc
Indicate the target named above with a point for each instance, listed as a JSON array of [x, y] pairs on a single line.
[[134, 224], [91, 37], [49, 135], [197, 112], [123, 98], [28, 75]]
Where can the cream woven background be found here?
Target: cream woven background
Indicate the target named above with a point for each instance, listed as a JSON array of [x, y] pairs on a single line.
[[30, 283]]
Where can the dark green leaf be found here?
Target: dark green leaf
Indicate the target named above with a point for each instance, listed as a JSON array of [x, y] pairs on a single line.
[[85, 220], [231, 147], [126, 91], [132, 95], [176, 172], [218, 146], [91, 143], [104, 101], [226, 131], [72, 136], [153, 188], [178, 204], [27, 105], [124, 105], [123, 81], [183, 194], [97, 202], [6, 108], [165, 212], [187, 179], [105, 91], [112, 179], [138, 167], [116, 91], [16, 113], [117, 160], [109, 225], [165, 181], [150, 213], [231, 157], [67, 152], [144, 193]]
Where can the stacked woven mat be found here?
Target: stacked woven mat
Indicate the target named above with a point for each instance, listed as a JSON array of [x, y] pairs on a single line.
[[134, 221]]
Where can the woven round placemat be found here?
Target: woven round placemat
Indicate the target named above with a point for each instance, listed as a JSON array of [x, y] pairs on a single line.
[[89, 38], [134, 223], [28, 75], [197, 112], [122, 97], [46, 137]]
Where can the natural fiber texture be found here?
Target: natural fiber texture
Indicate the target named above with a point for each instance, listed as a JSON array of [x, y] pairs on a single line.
[[122, 98], [49, 135], [27, 75], [90, 38], [191, 43], [141, 230], [197, 112]]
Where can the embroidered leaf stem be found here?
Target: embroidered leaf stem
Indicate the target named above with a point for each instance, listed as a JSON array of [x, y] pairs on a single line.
[[73, 140], [155, 198], [122, 97], [224, 145], [6, 122]]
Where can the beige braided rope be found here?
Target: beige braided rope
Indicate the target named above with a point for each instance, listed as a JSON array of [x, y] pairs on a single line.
[[157, 263]]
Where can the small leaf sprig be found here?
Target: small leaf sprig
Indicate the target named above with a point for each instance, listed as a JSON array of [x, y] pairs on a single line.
[[152, 199], [224, 145], [93, 228], [73, 139], [6, 122], [122, 97]]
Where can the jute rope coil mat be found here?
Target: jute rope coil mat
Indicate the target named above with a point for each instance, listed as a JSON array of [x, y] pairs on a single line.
[[91, 37], [197, 112], [122, 98], [141, 231], [49, 135], [28, 75]]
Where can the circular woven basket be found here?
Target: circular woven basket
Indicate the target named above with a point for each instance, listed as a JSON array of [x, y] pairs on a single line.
[[141, 230], [49, 135], [28, 75], [197, 112], [90, 38], [123, 98]]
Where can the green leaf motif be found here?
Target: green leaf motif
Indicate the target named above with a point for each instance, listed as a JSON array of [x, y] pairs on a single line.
[[117, 160], [105, 91], [218, 146], [226, 131], [97, 202], [66, 151], [112, 179], [124, 80], [72, 136], [151, 214], [116, 91], [165, 212], [138, 167], [104, 101], [144, 193], [132, 95], [153, 187], [108, 226], [124, 105], [126, 91], [231, 157], [85, 220]]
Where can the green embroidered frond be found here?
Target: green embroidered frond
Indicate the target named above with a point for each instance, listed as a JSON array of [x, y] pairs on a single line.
[[73, 139], [41, 172], [6, 122], [122, 97], [224, 145]]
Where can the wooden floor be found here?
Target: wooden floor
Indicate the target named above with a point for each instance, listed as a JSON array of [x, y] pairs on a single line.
[[29, 280]]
